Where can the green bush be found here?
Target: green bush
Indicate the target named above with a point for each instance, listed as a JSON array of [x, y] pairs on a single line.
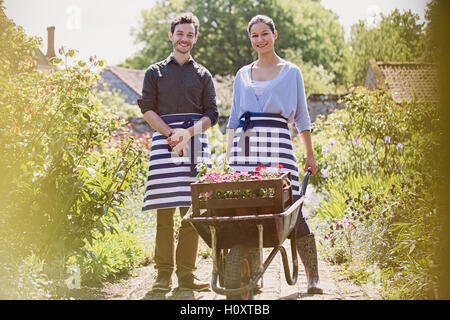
[[387, 222], [375, 135], [112, 102], [110, 254], [379, 210], [64, 164]]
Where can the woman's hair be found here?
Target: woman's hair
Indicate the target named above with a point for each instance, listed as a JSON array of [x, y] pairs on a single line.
[[185, 17], [261, 18]]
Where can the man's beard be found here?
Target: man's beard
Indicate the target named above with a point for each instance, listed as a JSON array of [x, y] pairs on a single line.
[[182, 50]]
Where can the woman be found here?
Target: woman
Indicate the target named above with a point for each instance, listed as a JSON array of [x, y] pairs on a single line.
[[268, 94]]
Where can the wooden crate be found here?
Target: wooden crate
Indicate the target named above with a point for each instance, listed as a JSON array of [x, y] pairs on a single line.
[[246, 206]]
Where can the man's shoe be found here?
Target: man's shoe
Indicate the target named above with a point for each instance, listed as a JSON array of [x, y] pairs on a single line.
[[163, 282], [190, 282]]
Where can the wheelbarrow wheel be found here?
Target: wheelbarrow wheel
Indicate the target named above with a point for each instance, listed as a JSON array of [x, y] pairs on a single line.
[[238, 271]]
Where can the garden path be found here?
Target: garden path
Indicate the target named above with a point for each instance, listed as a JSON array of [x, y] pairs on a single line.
[[335, 285]]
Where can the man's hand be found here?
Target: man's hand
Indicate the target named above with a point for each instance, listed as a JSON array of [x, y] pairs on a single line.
[[182, 150], [179, 140]]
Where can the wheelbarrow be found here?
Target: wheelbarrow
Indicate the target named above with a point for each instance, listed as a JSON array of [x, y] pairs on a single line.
[[237, 244]]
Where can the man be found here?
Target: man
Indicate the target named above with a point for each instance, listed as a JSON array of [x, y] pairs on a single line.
[[179, 102]]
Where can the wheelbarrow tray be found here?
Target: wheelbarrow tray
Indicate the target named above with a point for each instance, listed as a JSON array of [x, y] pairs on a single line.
[[243, 230]]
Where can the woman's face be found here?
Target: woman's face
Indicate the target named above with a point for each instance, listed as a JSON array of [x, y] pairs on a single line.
[[262, 38]]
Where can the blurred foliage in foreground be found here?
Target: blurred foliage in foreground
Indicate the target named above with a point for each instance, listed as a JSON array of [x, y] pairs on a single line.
[[64, 165]]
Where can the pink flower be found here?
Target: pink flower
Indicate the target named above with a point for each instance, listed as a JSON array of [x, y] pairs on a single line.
[[209, 194]]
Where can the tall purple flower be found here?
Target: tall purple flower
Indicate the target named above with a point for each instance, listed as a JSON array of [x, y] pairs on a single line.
[[356, 143], [324, 173], [331, 142], [324, 150], [399, 146], [387, 139]]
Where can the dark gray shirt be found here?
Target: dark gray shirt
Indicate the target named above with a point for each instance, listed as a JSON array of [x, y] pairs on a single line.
[[170, 88]]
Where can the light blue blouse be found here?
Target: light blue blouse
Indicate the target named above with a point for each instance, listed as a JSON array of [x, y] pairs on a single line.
[[284, 95]]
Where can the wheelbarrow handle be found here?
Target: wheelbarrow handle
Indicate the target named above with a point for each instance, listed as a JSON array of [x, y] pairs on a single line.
[[305, 183]]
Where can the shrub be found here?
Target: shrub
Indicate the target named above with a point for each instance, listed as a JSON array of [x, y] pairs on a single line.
[[64, 164], [110, 254], [379, 213]]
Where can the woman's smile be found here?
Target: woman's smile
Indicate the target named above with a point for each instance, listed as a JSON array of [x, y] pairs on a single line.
[[262, 37]]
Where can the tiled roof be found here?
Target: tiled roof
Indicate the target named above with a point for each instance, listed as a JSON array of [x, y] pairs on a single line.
[[131, 77], [408, 80]]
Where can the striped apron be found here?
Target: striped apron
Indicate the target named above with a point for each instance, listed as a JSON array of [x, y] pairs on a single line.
[[170, 176], [264, 139]]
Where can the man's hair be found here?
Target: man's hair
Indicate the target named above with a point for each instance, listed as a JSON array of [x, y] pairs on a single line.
[[185, 17], [261, 18]]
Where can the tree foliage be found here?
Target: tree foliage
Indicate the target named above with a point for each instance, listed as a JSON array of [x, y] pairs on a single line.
[[431, 49], [61, 170], [152, 34], [317, 33], [223, 45]]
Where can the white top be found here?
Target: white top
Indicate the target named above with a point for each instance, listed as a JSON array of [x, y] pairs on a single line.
[[259, 86], [284, 95]]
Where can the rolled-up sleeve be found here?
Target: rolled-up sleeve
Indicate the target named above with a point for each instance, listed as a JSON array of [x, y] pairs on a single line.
[[149, 100], [301, 119], [209, 103]]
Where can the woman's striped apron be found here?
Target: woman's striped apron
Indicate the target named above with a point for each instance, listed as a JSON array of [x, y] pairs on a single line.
[[264, 139], [170, 176]]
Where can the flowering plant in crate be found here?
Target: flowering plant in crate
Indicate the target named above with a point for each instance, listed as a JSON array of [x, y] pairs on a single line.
[[227, 174], [225, 190]]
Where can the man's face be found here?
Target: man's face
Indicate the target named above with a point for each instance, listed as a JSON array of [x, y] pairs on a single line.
[[183, 37]]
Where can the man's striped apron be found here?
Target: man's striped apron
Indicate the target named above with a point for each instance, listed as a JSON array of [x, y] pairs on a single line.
[[170, 176]]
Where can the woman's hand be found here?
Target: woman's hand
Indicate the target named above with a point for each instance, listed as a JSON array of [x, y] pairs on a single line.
[[311, 165]]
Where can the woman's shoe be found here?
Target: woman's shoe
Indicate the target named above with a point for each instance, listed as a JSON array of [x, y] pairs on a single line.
[[306, 248]]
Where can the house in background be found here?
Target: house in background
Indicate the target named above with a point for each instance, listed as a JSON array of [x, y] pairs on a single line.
[[44, 60], [408, 81], [127, 81]]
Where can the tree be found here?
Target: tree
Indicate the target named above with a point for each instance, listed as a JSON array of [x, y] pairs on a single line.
[[317, 33], [396, 37], [223, 45], [152, 33], [431, 47], [315, 78]]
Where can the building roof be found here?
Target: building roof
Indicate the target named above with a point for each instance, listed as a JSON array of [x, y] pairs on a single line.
[[407, 81], [43, 62], [131, 77]]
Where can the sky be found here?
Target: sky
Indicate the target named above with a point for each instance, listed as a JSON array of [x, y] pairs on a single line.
[[102, 27]]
